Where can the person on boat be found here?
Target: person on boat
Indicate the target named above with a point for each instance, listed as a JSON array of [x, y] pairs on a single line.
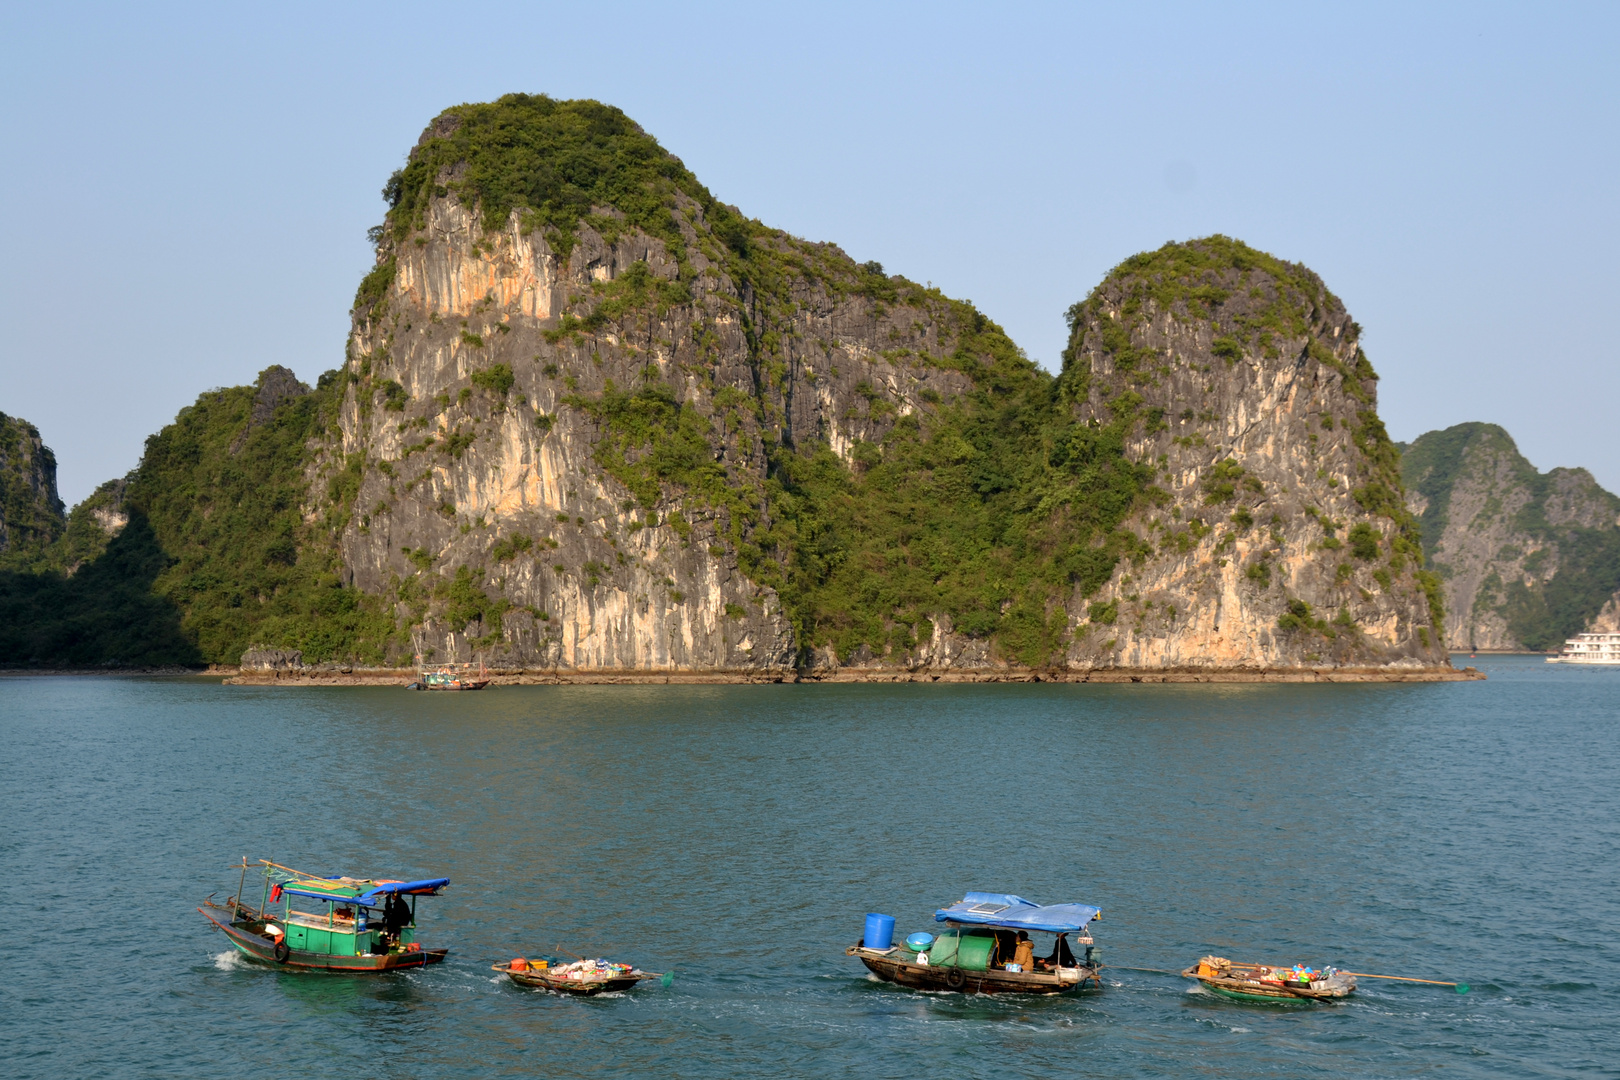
[[1024, 952], [1062, 956], [396, 915]]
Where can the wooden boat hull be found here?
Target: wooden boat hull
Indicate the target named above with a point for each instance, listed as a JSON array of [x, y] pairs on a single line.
[[1278, 997], [890, 966], [577, 987], [255, 945]]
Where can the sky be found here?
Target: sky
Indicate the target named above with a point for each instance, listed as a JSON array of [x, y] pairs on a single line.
[[186, 188]]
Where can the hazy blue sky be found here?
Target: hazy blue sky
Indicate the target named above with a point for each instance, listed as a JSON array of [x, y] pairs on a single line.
[[186, 189]]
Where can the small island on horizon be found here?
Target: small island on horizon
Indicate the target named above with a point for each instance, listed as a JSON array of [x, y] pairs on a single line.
[[594, 424]]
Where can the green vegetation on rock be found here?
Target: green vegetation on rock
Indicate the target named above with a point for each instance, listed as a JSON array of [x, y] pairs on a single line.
[[1541, 551], [1254, 304], [30, 511], [991, 510], [216, 555], [225, 495], [105, 615], [555, 161], [983, 491], [1196, 277]]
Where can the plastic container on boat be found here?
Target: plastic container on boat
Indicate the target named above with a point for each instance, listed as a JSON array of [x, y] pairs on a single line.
[[879, 931], [973, 951], [919, 942]]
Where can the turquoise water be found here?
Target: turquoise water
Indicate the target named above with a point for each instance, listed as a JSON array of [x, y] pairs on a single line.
[[738, 835]]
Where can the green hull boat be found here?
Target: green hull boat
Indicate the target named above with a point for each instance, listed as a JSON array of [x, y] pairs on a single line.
[[360, 925]]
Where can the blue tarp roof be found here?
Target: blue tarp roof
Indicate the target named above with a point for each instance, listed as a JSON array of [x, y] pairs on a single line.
[[1014, 912], [426, 887], [370, 896]]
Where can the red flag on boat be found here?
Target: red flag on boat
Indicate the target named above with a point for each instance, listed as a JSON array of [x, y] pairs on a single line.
[[275, 893]]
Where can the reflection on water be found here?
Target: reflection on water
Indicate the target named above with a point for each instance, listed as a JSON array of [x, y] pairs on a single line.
[[738, 835]]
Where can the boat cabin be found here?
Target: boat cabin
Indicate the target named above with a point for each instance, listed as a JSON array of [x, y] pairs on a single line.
[[349, 917], [981, 948]]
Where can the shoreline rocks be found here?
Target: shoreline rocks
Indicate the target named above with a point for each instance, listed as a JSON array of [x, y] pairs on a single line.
[[555, 677]]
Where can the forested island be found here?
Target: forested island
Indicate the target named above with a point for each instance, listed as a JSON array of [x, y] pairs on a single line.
[[593, 422]]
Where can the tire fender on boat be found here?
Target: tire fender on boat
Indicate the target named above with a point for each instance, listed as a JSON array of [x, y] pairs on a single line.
[[956, 978], [281, 952]]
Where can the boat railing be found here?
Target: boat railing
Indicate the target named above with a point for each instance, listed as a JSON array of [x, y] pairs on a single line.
[[320, 922]]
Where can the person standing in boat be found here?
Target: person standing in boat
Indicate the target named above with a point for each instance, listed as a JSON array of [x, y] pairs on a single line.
[[396, 916]]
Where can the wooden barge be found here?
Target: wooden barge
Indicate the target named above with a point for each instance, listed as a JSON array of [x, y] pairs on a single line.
[[584, 979], [1269, 983]]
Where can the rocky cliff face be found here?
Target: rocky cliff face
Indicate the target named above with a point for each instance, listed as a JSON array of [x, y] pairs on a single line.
[[1527, 558], [487, 441], [600, 424], [30, 509], [1274, 534], [1607, 620]]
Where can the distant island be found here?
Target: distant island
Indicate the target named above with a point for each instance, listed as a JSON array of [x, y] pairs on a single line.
[[1527, 559], [594, 423]]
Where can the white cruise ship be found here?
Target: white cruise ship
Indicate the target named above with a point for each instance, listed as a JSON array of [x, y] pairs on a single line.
[[1589, 649]]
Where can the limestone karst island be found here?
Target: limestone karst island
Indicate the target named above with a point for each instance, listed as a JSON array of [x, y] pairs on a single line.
[[594, 424]]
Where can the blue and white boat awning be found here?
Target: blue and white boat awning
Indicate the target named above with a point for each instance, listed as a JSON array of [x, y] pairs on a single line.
[[1016, 913]]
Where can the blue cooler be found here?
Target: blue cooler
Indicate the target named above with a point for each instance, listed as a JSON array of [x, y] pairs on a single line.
[[879, 931]]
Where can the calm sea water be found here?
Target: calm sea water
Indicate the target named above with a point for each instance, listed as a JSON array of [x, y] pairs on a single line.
[[737, 835]]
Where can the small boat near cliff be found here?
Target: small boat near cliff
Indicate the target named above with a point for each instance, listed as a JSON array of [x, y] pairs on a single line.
[[581, 978], [986, 948], [360, 925], [451, 677], [1270, 983]]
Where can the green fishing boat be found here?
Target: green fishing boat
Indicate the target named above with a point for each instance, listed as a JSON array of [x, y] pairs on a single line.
[[451, 677], [363, 925]]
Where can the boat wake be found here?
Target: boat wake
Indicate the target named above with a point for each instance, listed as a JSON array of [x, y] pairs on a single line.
[[231, 960]]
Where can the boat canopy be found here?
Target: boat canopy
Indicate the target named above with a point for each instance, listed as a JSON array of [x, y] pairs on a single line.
[[321, 890], [363, 893], [1016, 913], [425, 887]]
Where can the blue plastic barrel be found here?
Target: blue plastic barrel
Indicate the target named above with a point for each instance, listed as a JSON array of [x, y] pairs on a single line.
[[879, 931]]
